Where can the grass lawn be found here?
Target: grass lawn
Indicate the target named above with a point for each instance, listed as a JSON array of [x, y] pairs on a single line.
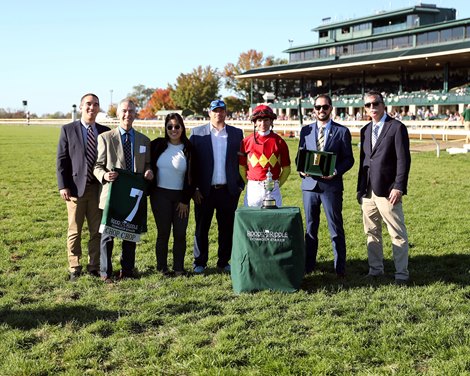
[[196, 325]]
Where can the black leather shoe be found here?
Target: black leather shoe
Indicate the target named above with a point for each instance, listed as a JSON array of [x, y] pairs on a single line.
[[94, 273], [73, 276], [126, 275]]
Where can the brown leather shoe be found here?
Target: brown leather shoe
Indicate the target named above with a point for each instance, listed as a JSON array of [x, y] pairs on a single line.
[[106, 280]]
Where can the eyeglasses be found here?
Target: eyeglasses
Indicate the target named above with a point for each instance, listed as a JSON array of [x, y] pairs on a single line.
[[370, 104], [170, 127], [325, 107]]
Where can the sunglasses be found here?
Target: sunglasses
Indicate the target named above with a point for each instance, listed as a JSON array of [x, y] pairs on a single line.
[[370, 104], [325, 107], [170, 127]]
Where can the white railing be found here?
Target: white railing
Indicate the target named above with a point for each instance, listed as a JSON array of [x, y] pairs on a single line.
[[416, 128]]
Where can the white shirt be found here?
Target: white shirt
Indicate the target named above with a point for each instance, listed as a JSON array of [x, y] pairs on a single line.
[[219, 147], [171, 167]]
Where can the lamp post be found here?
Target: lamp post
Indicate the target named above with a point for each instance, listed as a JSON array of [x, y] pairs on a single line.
[[111, 103], [25, 111], [74, 112]]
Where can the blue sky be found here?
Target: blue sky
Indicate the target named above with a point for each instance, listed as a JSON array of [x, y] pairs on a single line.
[[55, 51]]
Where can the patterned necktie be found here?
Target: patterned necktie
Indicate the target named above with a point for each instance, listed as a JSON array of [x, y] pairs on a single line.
[[90, 153], [321, 138], [127, 152], [375, 135]]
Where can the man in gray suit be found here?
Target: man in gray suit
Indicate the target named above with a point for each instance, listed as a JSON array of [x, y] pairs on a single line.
[[111, 154], [218, 184], [76, 155]]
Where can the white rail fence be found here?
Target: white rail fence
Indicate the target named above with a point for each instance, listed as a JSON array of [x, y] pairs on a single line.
[[433, 129]]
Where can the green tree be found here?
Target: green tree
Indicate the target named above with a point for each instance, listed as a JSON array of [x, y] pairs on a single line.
[[141, 95], [242, 87], [194, 91], [235, 104]]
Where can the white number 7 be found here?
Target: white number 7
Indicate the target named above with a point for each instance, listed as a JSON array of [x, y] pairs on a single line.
[[134, 193]]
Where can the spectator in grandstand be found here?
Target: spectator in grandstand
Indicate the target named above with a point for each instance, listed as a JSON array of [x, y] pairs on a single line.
[[171, 191], [329, 136], [382, 181], [78, 187], [465, 118], [218, 184], [262, 151]]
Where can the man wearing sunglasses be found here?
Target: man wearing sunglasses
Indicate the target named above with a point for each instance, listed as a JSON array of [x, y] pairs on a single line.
[[325, 135], [382, 181]]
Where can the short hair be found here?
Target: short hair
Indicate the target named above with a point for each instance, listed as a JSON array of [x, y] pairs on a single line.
[[375, 94], [126, 100], [89, 94], [325, 96]]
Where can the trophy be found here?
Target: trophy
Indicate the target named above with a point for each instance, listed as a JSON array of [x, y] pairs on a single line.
[[269, 202]]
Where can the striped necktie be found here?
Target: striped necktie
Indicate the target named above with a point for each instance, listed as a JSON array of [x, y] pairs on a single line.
[[90, 153], [375, 135], [321, 138], [128, 152]]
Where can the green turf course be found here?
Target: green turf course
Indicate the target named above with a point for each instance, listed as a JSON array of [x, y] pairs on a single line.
[[196, 325]]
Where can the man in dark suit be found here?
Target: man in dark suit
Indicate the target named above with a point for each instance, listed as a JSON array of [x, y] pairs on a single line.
[[218, 184], [382, 181], [325, 135], [111, 154], [76, 155]]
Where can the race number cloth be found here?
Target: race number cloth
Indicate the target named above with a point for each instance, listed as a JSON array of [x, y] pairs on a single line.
[[268, 249], [125, 212]]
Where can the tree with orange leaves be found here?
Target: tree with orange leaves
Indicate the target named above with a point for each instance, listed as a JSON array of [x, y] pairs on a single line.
[[160, 99]]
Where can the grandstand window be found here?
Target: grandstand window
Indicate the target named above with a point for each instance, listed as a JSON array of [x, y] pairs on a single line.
[[293, 57], [427, 38], [346, 30], [458, 33], [467, 32], [323, 34], [323, 52], [309, 55], [345, 49], [363, 26], [379, 45], [360, 48], [401, 42]]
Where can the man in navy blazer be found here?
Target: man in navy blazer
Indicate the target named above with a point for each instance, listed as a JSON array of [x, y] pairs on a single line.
[[382, 181], [325, 190], [218, 184], [78, 187]]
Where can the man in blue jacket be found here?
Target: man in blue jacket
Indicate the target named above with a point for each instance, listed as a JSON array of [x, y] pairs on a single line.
[[218, 184], [76, 156], [325, 135]]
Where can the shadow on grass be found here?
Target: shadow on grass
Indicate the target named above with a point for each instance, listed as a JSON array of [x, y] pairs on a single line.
[[31, 318], [424, 270]]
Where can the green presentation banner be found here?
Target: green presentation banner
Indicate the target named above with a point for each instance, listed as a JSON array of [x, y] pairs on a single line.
[[268, 249], [125, 212]]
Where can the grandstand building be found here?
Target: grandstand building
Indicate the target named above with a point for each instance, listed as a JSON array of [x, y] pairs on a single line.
[[418, 57]]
